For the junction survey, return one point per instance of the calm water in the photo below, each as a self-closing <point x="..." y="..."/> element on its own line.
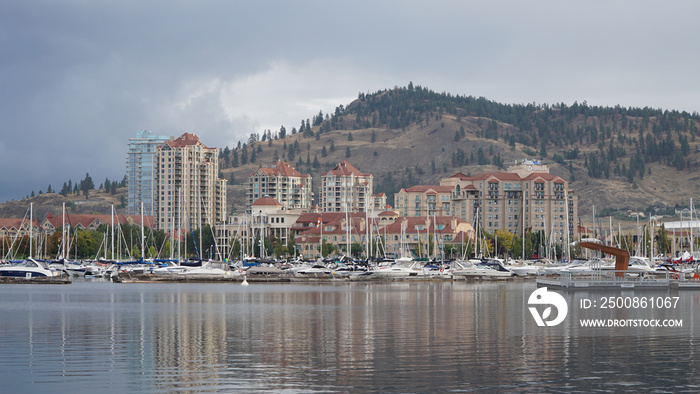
<point x="357" y="337"/>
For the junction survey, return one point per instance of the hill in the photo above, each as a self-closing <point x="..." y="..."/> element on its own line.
<point x="616" y="157"/>
<point x="99" y="202"/>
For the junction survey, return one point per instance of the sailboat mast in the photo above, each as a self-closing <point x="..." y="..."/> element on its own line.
<point x="522" y="213"/>
<point x="63" y="233"/>
<point x="143" y="251"/>
<point x="691" y="228"/>
<point x="347" y="228"/>
<point x="112" y="232"/>
<point x="568" y="239"/>
<point x="31" y="219"/>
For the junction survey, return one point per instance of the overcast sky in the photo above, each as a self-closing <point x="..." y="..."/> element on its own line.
<point x="79" y="77"/>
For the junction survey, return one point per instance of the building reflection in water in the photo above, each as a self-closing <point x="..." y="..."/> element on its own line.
<point x="393" y="336"/>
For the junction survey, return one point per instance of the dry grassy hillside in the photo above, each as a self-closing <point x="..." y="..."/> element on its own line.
<point x="99" y="202"/>
<point x="417" y="147"/>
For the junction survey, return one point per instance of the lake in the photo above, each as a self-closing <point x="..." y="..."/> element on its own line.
<point x="395" y="336"/>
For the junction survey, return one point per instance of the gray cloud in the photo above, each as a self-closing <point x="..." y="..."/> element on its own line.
<point x="79" y="78"/>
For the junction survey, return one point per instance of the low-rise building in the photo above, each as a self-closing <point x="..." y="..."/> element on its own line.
<point x="408" y="236"/>
<point x="338" y="229"/>
<point x="11" y="228"/>
<point x="82" y="221"/>
<point x="268" y="219"/>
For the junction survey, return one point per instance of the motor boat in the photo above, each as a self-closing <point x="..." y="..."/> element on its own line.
<point x="487" y="268"/>
<point x="28" y="268"/>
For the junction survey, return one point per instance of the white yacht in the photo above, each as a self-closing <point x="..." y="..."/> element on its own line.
<point x="400" y="268"/>
<point x="27" y="269"/>
<point x="487" y="268"/>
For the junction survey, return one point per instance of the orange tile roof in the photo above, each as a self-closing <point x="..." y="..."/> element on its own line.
<point x="148" y="220"/>
<point x="499" y="176"/>
<point x="508" y="176"/>
<point x="74" y="219"/>
<point x="543" y="175"/>
<point x="427" y="188"/>
<point x="186" y="139"/>
<point x="412" y="222"/>
<point x="12" y="222"/>
<point x="282" y="168"/>
<point x="266" y="201"/>
<point x="345" y="169"/>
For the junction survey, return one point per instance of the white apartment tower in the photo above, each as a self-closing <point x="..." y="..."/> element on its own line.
<point x="140" y="162"/>
<point x="345" y="188"/>
<point x="189" y="192"/>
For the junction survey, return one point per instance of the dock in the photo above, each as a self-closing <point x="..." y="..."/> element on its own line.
<point x="599" y="279"/>
<point x="45" y="280"/>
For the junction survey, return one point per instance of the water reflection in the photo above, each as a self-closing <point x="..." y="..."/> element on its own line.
<point x="390" y="337"/>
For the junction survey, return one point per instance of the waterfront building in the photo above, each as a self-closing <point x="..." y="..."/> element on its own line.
<point x="77" y="221"/>
<point x="189" y="192"/>
<point x="140" y="162"/>
<point x="424" y="200"/>
<point x="338" y="229"/>
<point x="525" y="197"/>
<point x="283" y="183"/>
<point x="267" y="218"/>
<point x="426" y="236"/>
<point x="345" y="188"/>
<point x="13" y="228"/>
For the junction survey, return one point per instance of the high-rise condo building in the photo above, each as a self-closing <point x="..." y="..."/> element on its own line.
<point x="140" y="162"/>
<point x="189" y="192"/>
<point x="345" y="188"/>
<point x="283" y="183"/>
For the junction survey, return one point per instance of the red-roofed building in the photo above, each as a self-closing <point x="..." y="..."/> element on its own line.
<point x="345" y="188"/>
<point x="423" y="200"/>
<point x="268" y="217"/>
<point x="333" y="228"/>
<point x="135" y="220"/>
<point x="501" y="199"/>
<point x="187" y="184"/>
<point x="282" y="182"/>
<point x="379" y="202"/>
<point x="416" y="233"/>
<point x="81" y="221"/>
<point x="10" y="228"/>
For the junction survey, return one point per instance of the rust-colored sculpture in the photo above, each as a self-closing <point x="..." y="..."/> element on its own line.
<point x="622" y="257"/>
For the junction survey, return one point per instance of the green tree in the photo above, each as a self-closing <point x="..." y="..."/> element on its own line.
<point x="328" y="249"/>
<point x="663" y="244"/>
<point x="356" y="250"/>
<point x="86" y="185"/>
